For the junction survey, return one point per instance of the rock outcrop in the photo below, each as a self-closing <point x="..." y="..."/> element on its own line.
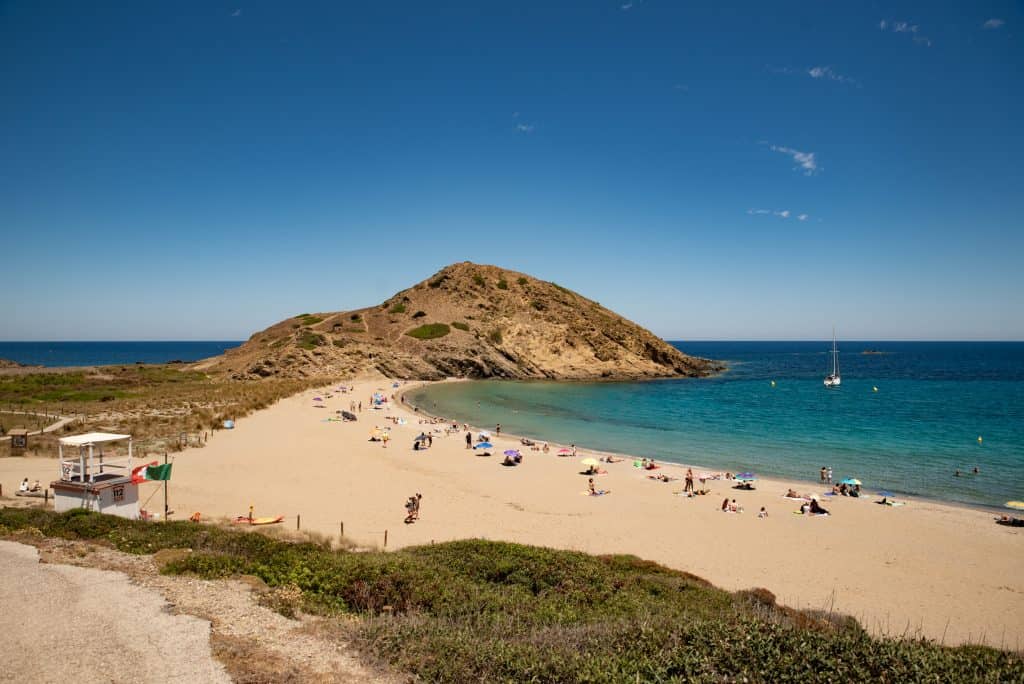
<point x="470" y="321"/>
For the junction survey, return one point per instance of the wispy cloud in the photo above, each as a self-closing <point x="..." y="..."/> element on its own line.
<point x="778" y="213"/>
<point x="625" y="7"/>
<point x="525" y="128"/>
<point x="237" y="13"/>
<point x="905" y="27"/>
<point x="993" y="24"/>
<point x="804" y="160"/>
<point x="680" y="87"/>
<point x="829" y="74"/>
<point x="819" y="73"/>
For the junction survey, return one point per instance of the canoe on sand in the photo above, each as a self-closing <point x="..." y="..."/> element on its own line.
<point x="246" y="520"/>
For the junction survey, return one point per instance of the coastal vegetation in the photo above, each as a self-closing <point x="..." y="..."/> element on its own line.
<point x="430" y="331"/>
<point x="154" y="403"/>
<point x="461" y="326"/>
<point x="491" y="611"/>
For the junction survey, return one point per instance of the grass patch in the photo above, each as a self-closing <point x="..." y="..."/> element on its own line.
<point x="397" y="309"/>
<point x="490" y="611"/>
<point x="309" y="319"/>
<point x="309" y="340"/>
<point x="461" y="326"/>
<point x="521" y="280"/>
<point x="478" y="279"/>
<point x="502" y="284"/>
<point x="495" y="336"/>
<point x="430" y="331"/>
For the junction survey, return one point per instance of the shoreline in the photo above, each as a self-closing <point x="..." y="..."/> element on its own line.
<point x="783" y="479"/>
<point x="930" y="569"/>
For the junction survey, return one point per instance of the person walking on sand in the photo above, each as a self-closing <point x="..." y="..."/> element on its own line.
<point x="385" y="437"/>
<point x="689" y="481"/>
<point x="823" y="474"/>
<point x="360" y="407"/>
<point x="469" y="440"/>
<point x="497" y="430"/>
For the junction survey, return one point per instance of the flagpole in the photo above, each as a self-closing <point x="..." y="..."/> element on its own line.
<point x="165" y="490"/>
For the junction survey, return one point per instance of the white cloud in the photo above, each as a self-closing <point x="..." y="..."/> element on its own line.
<point x="778" y="213"/>
<point x="681" y="88"/>
<point x="525" y="128"/>
<point x="627" y="6"/>
<point x="804" y="160"/>
<point x="993" y="24"/>
<point x="237" y="13"/>
<point x="826" y="72"/>
<point x="905" y="27"/>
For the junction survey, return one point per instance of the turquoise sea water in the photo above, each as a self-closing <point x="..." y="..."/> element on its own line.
<point x="934" y="400"/>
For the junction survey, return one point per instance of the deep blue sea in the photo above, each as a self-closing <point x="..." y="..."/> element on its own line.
<point x="933" y="401"/>
<point x="108" y="353"/>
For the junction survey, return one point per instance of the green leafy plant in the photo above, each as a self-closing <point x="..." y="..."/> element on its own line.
<point x="397" y="309"/>
<point x="502" y="284"/>
<point x="460" y="325"/>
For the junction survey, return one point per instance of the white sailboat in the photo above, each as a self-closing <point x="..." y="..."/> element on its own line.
<point x="833" y="379"/>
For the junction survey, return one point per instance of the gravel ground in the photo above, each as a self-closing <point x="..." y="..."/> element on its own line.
<point x="65" y="623"/>
<point x="150" y="627"/>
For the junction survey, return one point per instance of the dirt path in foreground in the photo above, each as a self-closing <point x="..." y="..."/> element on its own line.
<point x="71" y="610"/>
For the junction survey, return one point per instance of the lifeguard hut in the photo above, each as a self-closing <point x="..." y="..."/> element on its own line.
<point x="95" y="480"/>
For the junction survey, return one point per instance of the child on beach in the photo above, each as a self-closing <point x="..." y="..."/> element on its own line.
<point x="763" y="513"/>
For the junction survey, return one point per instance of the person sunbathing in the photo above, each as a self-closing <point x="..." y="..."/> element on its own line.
<point x="725" y="505"/>
<point x="36" y="487"/>
<point x="612" y="459"/>
<point x="816" y="509"/>
<point x="792" y="495"/>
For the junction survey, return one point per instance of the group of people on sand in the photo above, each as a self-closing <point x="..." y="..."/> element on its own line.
<point x="34" y="487"/>
<point x="844" y="489"/>
<point x="812" y="507"/>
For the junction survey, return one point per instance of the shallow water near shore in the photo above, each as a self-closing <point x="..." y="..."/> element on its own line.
<point x="933" y="401"/>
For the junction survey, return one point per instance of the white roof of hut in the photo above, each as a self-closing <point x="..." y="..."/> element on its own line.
<point x="92" y="438"/>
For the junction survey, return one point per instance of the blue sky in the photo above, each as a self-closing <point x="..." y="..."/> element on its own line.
<point x="201" y="170"/>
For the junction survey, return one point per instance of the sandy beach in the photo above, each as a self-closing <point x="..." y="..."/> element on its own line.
<point x="946" y="572"/>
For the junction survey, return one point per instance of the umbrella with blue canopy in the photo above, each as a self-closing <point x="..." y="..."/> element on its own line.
<point x="484" y="445"/>
<point x="746" y="477"/>
<point x="511" y="452"/>
<point x="850" y="481"/>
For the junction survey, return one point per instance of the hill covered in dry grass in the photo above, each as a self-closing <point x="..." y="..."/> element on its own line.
<point x="467" y="320"/>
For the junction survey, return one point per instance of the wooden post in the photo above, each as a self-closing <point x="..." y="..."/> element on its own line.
<point x="165" y="490"/>
<point x="46" y="497"/>
<point x="341" y="530"/>
<point x="385" y="539"/>
<point x="298" y="521"/>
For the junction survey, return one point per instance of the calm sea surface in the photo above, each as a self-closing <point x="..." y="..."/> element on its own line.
<point x="108" y="353"/>
<point x="934" y="400"/>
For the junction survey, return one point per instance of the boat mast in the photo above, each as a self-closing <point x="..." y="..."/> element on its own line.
<point x="835" y="355"/>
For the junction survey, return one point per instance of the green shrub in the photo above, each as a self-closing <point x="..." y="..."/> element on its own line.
<point x="502" y="284"/>
<point x="355" y="318"/>
<point x="309" y="319"/>
<point x="495" y="336"/>
<point x="309" y="340"/>
<point x="460" y="325"/>
<point x="538" y="305"/>
<point x="478" y="279"/>
<point x="338" y="343"/>
<point x="438" y="282"/>
<point x="521" y="280"/>
<point x="397" y="309"/>
<point x="492" y="611"/>
<point x="419" y="314"/>
<point x="430" y="331"/>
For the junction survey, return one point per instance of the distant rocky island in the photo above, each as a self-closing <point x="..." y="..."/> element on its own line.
<point x="468" y="321"/>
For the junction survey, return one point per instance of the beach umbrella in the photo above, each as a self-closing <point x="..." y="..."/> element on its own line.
<point x="317" y="399"/>
<point x="850" y="481"/>
<point x="589" y="461"/>
<point x="565" y="451"/>
<point x="1019" y="505"/>
<point x="704" y="476"/>
<point x="511" y="452"/>
<point x="484" y="445"/>
<point x="746" y="477"/>
<point x="885" y="493"/>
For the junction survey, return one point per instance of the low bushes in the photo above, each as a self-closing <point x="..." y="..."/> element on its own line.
<point x="430" y="331"/>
